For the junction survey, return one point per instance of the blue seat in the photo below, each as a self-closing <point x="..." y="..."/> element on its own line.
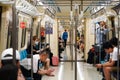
<point x="23" y="54"/>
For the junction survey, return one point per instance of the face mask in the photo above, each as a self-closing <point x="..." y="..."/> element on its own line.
<point x="36" y="42"/>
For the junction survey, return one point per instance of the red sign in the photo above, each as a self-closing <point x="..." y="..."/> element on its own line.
<point x="22" y="25"/>
<point x="42" y="33"/>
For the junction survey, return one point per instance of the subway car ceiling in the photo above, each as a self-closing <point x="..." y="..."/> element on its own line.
<point x="62" y="9"/>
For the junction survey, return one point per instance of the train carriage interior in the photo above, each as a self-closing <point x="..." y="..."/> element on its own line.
<point x="60" y="39"/>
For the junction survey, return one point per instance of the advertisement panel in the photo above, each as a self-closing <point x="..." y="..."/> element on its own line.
<point x="48" y="28"/>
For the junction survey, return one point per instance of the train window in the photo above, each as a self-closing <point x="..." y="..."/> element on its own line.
<point x="9" y="36"/>
<point x="113" y="26"/>
<point x="37" y="30"/>
<point x="9" y="39"/>
<point x="23" y="37"/>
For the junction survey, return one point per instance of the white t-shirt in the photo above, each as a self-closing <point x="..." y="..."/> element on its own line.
<point x="26" y="63"/>
<point x="114" y="54"/>
<point x="35" y="62"/>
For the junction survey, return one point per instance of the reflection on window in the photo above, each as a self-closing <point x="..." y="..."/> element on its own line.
<point x="23" y="37"/>
<point x="37" y="30"/>
<point x="9" y="36"/>
<point x="9" y="39"/>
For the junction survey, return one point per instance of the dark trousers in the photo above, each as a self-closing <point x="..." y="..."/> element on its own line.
<point x="37" y="76"/>
<point x="65" y="41"/>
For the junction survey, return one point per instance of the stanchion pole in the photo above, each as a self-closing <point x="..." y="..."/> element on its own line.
<point x="76" y="24"/>
<point x="31" y="41"/>
<point x="14" y="31"/>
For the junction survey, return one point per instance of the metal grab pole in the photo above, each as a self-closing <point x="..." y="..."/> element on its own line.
<point x="71" y="32"/>
<point x="40" y="33"/>
<point x="71" y="49"/>
<point x="46" y="24"/>
<point x="14" y="32"/>
<point x="31" y="41"/>
<point x="118" y="50"/>
<point x="50" y="25"/>
<point x="76" y="24"/>
<point x="117" y="10"/>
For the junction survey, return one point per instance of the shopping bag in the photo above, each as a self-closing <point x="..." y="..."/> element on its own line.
<point x="55" y="61"/>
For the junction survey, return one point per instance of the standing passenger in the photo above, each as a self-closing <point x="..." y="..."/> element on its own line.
<point x="101" y="33"/>
<point x="64" y="37"/>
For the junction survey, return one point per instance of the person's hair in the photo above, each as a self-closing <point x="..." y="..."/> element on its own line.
<point x="47" y="44"/>
<point x="34" y="38"/>
<point x="81" y="42"/>
<point x="65" y="30"/>
<point x="44" y="52"/>
<point x="82" y="35"/>
<point x="93" y="45"/>
<point x="114" y="41"/>
<point x="42" y="39"/>
<point x="9" y="61"/>
<point x="59" y="38"/>
<point x="8" y="72"/>
<point x="98" y="23"/>
<point x="107" y="45"/>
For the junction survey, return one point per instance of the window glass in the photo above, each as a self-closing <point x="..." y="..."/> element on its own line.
<point x="23" y="37"/>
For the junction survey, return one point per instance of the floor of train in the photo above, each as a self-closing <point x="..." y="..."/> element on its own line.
<point x="65" y="70"/>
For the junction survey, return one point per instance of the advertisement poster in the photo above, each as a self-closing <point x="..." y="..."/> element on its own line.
<point x="48" y="28"/>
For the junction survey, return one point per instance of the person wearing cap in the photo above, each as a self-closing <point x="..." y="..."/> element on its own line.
<point x="8" y="70"/>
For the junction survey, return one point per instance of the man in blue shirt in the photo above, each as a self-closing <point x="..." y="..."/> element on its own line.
<point x="64" y="37"/>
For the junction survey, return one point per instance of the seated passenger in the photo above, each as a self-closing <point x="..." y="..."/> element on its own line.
<point x="107" y="67"/>
<point x="82" y="46"/>
<point x="49" y="60"/>
<point x="35" y="44"/>
<point x="60" y="47"/>
<point x="38" y="65"/>
<point x="8" y="70"/>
